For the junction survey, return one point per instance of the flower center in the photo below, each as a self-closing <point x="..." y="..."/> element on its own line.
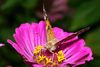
<point x="37" y="50"/>
<point x="60" y="56"/>
<point x="46" y="60"/>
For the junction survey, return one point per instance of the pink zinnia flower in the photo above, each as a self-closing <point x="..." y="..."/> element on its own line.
<point x="43" y="46"/>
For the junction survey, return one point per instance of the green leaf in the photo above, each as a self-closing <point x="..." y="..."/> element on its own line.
<point x="9" y="4"/>
<point x="86" y="14"/>
<point x="93" y="40"/>
<point x="2" y="20"/>
<point x="94" y="63"/>
<point x="29" y="4"/>
<point x="6" y="33"/>
<point x="25" y="18"/>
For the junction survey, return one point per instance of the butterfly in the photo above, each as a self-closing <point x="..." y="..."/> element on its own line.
<point x="52" y="43"/>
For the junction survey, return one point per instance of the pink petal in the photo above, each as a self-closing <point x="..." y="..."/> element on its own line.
<point x="21" y="51"/>
<point x="37" y="65"/>
<point x="39" y="32"/>
<point x="42" y="33"/>
<point x="22" y="38"/>
<point x="80" y="57"/>
<point x="35" y="33"/>
<point x="59" y="33"/>
<point x="1" y="44"/>
<point x="63" y="65"/>
<point x="74" y="48"/>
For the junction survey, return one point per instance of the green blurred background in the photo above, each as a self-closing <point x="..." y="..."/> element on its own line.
<point x="78" y="14"/>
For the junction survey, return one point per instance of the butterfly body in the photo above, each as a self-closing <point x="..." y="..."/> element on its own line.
<point x="51" y="45"/>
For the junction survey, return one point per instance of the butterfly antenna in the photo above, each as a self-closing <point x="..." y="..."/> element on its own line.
<point x="44" y="12"/>
<point x="46" y="18"/>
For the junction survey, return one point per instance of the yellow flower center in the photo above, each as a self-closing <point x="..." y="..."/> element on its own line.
<point x="41" y="58"/>
<point x="45" y="60"/>
<point x="48" y="61"/>
<point x="37" y="50"/>
<point x="60" y="56"/>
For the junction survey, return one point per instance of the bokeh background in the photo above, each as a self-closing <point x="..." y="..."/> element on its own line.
<point x="71" y="15"/>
